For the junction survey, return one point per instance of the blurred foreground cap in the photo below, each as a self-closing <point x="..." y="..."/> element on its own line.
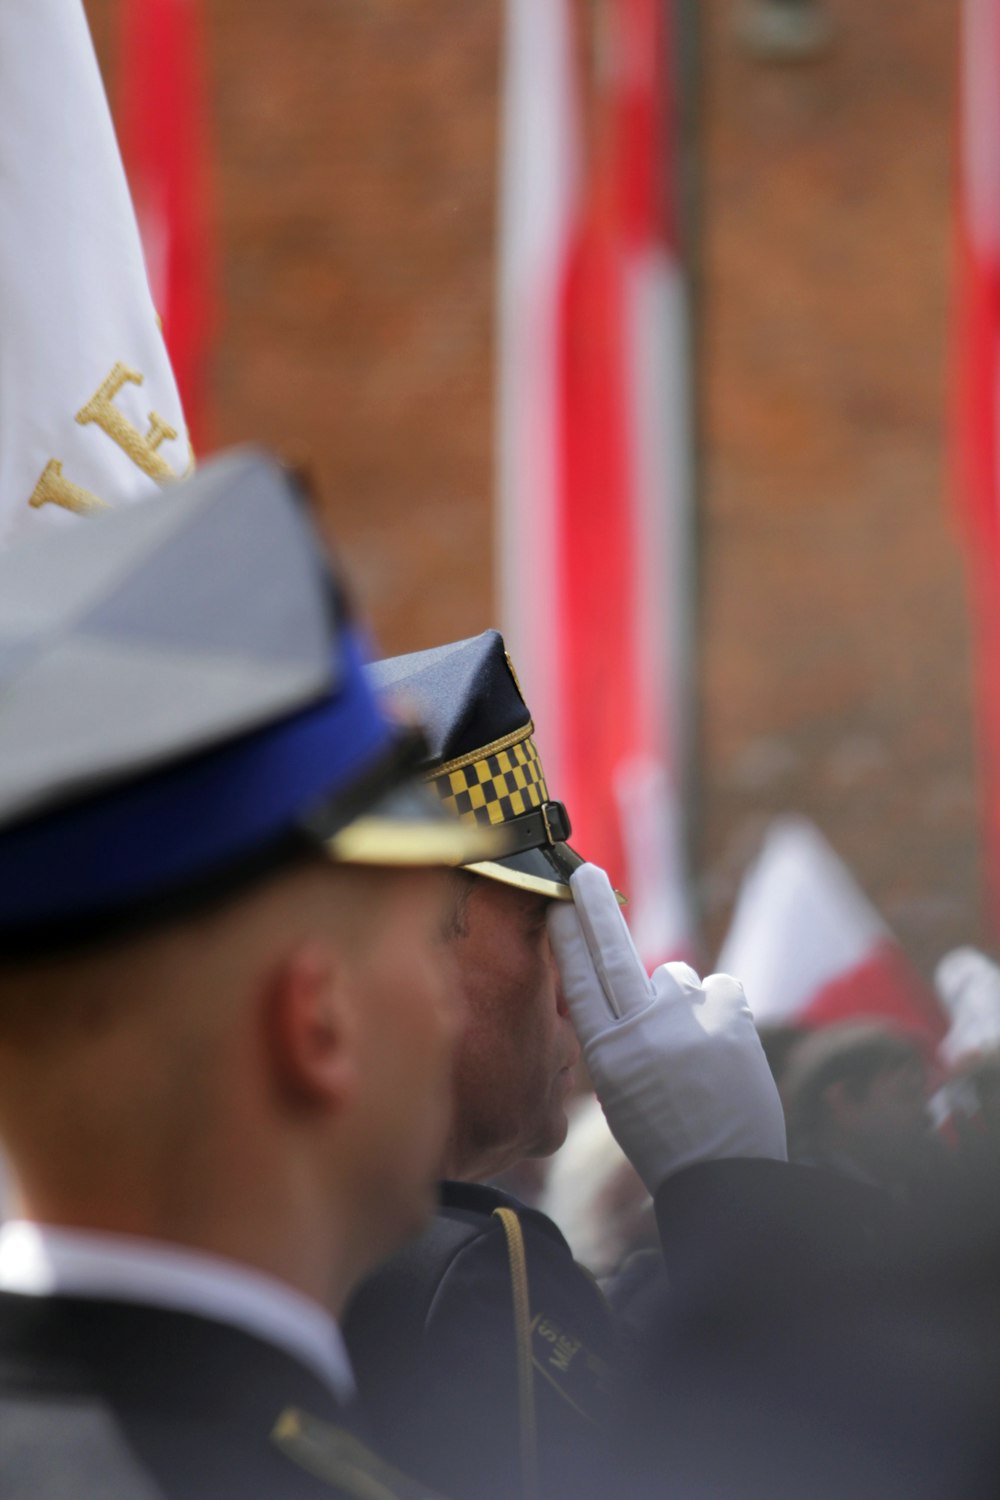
<point x="181" y="686"/>
<point x="482" y="759"/>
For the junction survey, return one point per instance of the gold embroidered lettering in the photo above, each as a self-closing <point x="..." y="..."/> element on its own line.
<point x="564" y="1352"/>
<point x="142" y="448"/>
<point x="159" y="431"/>
<point x="53" y="488"/>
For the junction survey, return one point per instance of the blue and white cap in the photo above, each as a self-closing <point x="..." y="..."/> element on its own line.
<point x="181" y="689"/>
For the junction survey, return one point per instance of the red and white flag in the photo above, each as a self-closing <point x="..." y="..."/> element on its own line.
<point x="89" y="409"/>
<point x="164" y="135"/>
<point x="595" y="443"/>
<point x="809" y="947"/>
<point x="976" y="380"/>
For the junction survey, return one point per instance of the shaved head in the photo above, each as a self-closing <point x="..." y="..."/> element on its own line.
<point x="298" y="1036"/>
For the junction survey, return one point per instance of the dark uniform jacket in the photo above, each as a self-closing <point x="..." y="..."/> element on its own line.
<point x="433" y="1334"/>
<point x="803" y="1338"/>
<point x="433" y="1338"/>
<point x="103" y="1400"/>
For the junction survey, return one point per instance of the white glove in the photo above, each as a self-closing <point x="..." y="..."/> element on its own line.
<point x="969" y="984"/>
<point x="676" y="1063"/>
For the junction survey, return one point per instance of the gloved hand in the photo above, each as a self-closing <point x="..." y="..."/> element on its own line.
<point x="969" y="984"/>
<point x="676" y="1062"/>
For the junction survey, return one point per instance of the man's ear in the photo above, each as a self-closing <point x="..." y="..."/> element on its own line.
<point x="311" y="1029"/>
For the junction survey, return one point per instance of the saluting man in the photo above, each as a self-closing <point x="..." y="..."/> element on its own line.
<point x="226" y="1012"/>
<point x="486" y="1354"/>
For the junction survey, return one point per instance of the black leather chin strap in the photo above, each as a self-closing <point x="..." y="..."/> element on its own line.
<point x="548" y="824"/>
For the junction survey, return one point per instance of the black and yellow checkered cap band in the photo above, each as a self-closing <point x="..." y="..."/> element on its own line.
<point x="495" y="784"/>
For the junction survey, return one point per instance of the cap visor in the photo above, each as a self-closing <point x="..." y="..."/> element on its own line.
<point x="409" y="826"/>
<point x="544" y="871"/>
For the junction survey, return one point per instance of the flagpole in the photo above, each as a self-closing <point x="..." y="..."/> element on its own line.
<point x="683" y="25"/>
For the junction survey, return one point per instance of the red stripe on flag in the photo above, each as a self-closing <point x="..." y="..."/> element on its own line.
<point x="645" y="111"/>
<point x="164" y="137"/>
<point x="975" y="402"/>
<point x="595" y="526"/>
<point x="884" y="988"/>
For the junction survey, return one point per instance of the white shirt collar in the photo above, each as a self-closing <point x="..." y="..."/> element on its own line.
<point x="38" y="1260"/>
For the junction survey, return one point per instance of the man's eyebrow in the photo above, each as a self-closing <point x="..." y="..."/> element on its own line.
<point x="454" y="920"/>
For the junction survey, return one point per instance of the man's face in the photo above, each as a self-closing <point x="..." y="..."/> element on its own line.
<point x="516" y="1053"/>
<point x="410" y="1015"/>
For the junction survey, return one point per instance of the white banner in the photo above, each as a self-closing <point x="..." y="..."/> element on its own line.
<point x="540" y="180"/>
<point x="89" y="410"/>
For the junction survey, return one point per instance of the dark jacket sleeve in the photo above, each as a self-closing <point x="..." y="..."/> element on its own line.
<point x="816" y="1339"/>
<point x="738" y="1235"/>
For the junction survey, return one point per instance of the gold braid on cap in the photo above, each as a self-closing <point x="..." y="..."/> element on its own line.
<point x="496" y="783"/>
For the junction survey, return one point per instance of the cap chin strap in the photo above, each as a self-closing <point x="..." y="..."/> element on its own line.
<point x="544" y="825"/>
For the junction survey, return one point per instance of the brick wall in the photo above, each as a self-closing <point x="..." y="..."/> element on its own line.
<point x="835" y="666"/>
<point x="355" y="144"/>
